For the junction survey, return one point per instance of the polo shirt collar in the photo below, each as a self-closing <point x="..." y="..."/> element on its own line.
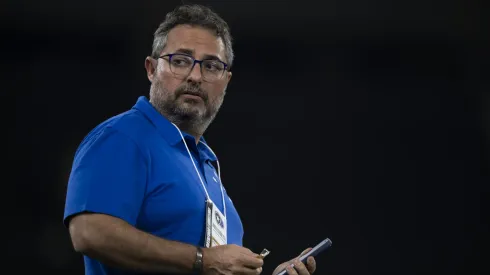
<point x="166" y="128"/>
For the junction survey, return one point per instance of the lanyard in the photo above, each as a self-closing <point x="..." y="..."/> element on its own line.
<point x="199" y="174"/>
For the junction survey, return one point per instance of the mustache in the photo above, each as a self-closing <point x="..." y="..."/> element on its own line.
<point x="192" y="90"/>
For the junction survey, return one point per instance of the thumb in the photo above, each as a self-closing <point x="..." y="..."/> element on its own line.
<point x="305" y="251"/>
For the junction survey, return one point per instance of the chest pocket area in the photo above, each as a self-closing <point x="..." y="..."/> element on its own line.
<point x="174" y="199"/>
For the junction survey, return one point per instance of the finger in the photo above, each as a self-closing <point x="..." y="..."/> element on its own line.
<point x="254" y="255"/>
<point x="290" y="270"/>
<point x="248" y="271"/>
<point x="311" y="264"/>
<point x="252" y="262"/>
<point x="249" y="252"/>
<point x="305" y="251"/>
<point x="300" y="268"/>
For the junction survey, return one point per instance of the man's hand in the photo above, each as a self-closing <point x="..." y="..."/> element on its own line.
<point x="230" y="259"/>
<point x="298" y="267"/>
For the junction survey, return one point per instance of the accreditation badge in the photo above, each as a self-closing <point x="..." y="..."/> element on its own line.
<point x="215" y="226"/>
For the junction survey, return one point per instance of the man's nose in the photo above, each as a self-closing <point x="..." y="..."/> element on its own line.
<point x="195" y="73"/>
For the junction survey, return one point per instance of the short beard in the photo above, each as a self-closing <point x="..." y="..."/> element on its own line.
<point x="192" y="121"/>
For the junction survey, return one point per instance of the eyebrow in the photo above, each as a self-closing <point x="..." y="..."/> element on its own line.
<point x="191" y="52"/>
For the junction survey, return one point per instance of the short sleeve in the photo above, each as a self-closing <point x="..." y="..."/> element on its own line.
<point x="108" y="176"/>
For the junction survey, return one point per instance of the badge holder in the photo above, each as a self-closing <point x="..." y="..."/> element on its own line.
<point x="216" y="226"/>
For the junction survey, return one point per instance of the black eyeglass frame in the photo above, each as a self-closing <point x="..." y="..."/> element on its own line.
<point x="195" y="61"/>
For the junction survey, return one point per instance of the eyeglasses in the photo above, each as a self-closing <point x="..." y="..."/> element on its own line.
<point x="181" y="65"/>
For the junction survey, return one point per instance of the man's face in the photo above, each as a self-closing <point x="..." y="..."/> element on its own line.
<point x="188" y="100"/>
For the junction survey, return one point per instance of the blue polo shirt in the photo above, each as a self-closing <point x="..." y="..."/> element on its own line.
<point x="135" y="167"/>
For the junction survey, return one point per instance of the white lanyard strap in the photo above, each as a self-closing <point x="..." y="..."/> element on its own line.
<point x="199" y="174"/>
<point x="219" y="178"/>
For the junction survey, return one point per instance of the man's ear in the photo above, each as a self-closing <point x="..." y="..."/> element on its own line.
<point x="151" y="67"/>
<point x="228" y="76"/>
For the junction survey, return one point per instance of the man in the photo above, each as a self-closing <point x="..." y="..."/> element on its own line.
<point x="144" y="195"/>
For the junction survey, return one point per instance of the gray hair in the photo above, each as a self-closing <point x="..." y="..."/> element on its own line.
<point x="194" y="15"/>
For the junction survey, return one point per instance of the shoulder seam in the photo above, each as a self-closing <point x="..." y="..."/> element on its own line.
<point x="130" y="138"/>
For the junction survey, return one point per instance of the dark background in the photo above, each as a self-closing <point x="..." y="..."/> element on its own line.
<point x="363" y="121"/>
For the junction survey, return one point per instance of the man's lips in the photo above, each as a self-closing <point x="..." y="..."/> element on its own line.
<point x="192" y="95"/>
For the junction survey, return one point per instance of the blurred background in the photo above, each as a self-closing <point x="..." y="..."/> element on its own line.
<point x="367" y="122"/>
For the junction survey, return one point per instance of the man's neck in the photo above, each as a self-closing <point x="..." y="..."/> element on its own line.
<point x="197" y="137"/>
<point x="189" y="130"/>
<point x="184" y="125"/>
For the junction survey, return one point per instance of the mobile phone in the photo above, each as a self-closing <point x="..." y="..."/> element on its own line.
<point x="323" y="245"/>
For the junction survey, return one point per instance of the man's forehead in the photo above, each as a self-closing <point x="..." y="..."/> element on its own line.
<point x="195" y="40"/>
